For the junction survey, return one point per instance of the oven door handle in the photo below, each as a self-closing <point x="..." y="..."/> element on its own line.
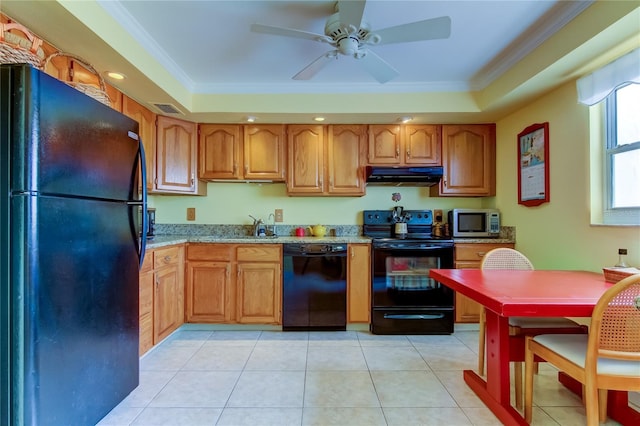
<point x="411" y="247"/>
<point x="413" y="316"/>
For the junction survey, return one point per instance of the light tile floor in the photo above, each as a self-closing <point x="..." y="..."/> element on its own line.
<point x="321" y="378"/>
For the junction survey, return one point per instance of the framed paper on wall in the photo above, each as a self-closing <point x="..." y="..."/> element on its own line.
<point x="533" y="165"/>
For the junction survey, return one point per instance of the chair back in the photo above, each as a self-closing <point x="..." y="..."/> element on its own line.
<point x="505" y="258"/>
<point x="615" y="323"/>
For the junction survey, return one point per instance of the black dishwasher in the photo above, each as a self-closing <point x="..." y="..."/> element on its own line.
<point x="314" y="295"/>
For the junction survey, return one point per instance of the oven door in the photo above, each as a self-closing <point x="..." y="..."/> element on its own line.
<point x="400" y="276"/>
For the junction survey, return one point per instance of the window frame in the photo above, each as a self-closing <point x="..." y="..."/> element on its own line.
<point x="615" y="215"/>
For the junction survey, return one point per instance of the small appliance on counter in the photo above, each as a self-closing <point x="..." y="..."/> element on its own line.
<point x="151" y="221"/>
<point x="474" y="223"/>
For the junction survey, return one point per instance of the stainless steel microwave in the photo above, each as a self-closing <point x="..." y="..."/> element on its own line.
<point x="474" y="223"/>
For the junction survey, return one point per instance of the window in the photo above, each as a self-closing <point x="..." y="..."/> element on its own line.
<point x="622" y="156"/>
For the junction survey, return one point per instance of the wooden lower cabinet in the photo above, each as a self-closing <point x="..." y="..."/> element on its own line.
<point x="168" y="295"/>
<point x="469" y="255"/>
<point x="359" y="283"/>
<point x="234" y="283"/>
<point x="145" y="311"/>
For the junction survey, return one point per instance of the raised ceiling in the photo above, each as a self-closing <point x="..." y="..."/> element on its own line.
<point x="202" y="57"/>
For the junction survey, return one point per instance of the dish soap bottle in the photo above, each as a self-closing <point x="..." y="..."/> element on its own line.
<point x="621" y="256"/>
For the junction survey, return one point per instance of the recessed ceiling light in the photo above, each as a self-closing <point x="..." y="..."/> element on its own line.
<point x="116" y="75"/>
<point x="318" y="118"/>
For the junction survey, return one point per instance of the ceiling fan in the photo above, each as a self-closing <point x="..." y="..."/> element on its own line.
<point x="350" y="34"/>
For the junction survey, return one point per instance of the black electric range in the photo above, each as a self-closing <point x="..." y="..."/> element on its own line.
<point x="405" y="300"/>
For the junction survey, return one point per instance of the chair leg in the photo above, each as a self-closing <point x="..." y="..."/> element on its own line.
<point x="591" y="402"/>
<point x="602" y="404"/>
<point x="481" y="342"/>
<point x="517" y="379"/>
<point x="528" y="381"/>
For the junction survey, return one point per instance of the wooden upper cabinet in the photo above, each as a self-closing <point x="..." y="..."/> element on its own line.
<point x="220" y="151"/>
<point x="147" y="130"/>
<point x="326" y="160"/>
<point x="238" y="152"/>
<point x="468" y="161"/>
<point x="397" y="145"/>
<point x="263" y="151"/>
<point x="346" y="145"/>
<point x="115" y="97"/>
<point x="305" y="160"/>
<point x="385" y="144"/>
<point x="422" y="145"/>
<point x="176" y="157"/>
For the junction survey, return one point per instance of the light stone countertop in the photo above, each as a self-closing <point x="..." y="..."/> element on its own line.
<point x="167" y="240"/>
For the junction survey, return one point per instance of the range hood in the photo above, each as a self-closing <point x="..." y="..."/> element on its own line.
<point x="407" y="176"/>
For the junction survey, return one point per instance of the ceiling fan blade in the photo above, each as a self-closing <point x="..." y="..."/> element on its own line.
<point x="289" y="32"/>
<point x="351" y="12"/>
<point x="377" y="67"/>
<point x="314" y="67"/>
<point x="429" y="29"/>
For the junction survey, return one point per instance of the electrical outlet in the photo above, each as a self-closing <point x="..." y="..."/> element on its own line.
<point x="191" y="213"/>
<point x="279" y="215"/>
<point x="437" y="216"/>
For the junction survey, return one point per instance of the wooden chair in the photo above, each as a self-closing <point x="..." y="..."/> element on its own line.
<point x="507" y="258"/>
<point x="607" y="358"/>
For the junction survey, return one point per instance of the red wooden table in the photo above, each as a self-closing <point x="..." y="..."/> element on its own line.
<point x="525" y="293"/>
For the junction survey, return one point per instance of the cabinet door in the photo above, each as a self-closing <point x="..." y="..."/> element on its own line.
<point x="147" y="122"/>
<point x="263" y="151"/>
<point x="258" y="296"/>
<point x="115" y="96"/>
<point x="220" y="151"/>
<point x="209" y="294"/>
<point x="146" y="304"/>
<point x="165" y="302"/>
<point x="305" y="163"/>
<point x="176" y="142"/>
<point x="345" y="160"/>
<point x="359" y="284"/>
<point x="468" y="160"/>
<point x="422" y="145"/>
<point x="470" y="256"/>
<point x="385" y="142"/>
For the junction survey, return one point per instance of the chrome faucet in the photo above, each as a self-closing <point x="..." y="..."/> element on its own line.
<point x="272" y="219"/>
<point x="258" y="227"/>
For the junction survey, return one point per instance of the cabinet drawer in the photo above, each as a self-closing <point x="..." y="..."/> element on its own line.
<point x="166" y="256"/>
<point x="475" y="252"/>
<point x="220" y="252"/>
<point x="259" y="253"/>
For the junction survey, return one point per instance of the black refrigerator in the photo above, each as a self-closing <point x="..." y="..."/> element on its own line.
<point x="71" y="246"/>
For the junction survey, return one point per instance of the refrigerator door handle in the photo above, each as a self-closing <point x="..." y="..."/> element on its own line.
<point x="145" y="218"/>
<point x="142" y="242"/>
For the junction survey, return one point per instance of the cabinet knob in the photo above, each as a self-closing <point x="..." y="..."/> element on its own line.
<point x="397" y="152"/>
<point x="444" y="180"/>
<point x="408" y="153"/>
<point x="246" y="169"/>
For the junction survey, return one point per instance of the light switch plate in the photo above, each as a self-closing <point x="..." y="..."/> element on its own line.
<point x="191" y="213"/>
<point x="279" y="215"/>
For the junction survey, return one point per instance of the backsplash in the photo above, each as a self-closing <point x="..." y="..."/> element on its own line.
<point x="232" y="231"/>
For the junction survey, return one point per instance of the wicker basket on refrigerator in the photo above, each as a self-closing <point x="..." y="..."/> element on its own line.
<point x="20" y="49"/>
<point x="98" y="93"/>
